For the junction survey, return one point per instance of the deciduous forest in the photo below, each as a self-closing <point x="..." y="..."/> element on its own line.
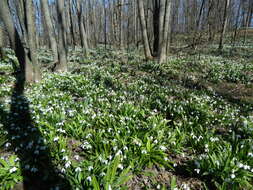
<point x="126" y="94"/>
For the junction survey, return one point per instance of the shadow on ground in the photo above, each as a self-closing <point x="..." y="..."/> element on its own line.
<point x="37" y="168"/>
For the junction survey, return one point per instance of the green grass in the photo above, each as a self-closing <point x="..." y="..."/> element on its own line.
<point x="107" y="122"/>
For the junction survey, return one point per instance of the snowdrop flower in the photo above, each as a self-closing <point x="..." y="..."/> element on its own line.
<point x="240" y="165"/>
<point x="118" y="153"/>
<point x="63" y="150"/>
<point x="78" y="169"/>
<point x="120" y="166"/>
<point x="14" y="169"/>
<point x="125" y="148"/>
<point x="65" y="158"/>
<point x="77" y="157"/>
<point x="90" y="168"/>
<point x="246" y="167"/>
<point x="144" y="152"/>
<point x="102" y="174"/>
<point x="185" y="186"/>
<point x="175" y="164"/>
<point x="197" y="171"/>
<point x="63" y="170"/>
<point x="56" y="139"/>
<point x="17" y="159"/>
<point x="163" y="148"/>
<point x="232" y="176"/>
<point x="67" y="164"/>
<point x="89" y="178"/>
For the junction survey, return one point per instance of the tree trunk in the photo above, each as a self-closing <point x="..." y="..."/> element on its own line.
<point x="165" y="30"/>
<point x="31" y="36"/>
<point x="121" y="24"/>
<point x="144" y="30"/>
<point x="61" y="65"/>
<point x="28" y="69"/>
<point x="156" y="12"/>
<point x="1" y="43"/>
<point x="50" y="29"/>
<point x="224" y="24"/>
<point x="82" y="31"/>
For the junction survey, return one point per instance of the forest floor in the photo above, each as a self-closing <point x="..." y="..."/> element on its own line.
<point x="115" y="121"/>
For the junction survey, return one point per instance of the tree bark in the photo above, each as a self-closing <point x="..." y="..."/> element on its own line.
<point x="144" y="30"/>
<point x="50" y="29"/>
<point x="28" y="69"/>
<point x="61" y="65"/>
<point x="224" y="24"/>
<point x="164" y="31"/>
<point x="82" y="31"/>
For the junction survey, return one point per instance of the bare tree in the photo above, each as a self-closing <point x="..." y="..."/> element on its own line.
<point x="23" y="51"/>
<point x="49" y="28"/>
<point x="61" y="65"/>
<point x="224" y="24"/>
<point x="164" y="22"/>
<point x="82" y="31"/>
<point x="147" y="50"/>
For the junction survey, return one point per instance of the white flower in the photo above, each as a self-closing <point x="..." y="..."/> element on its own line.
<point x="185" y="186"/>
<point x="56" y="139"/>
<point x="232" y="176"/>
<point x="12" y="170"/>
<point x="63" y="150"/>
<point x="144" y="152"/>
<point x="7" y="145"/>
<point x="163" y="148"/>
<point x="89" y="178"/>
<point x="197" y="171"/>
<point x="63" y="170"/>
<point x="120" y="166"/>
<point x="78" y="169"/>
<point x="90" y="168"/>
<point x="118" y="153"/>
<point x="67" y="164"/>
<point x="240" y="165"/>
<point x="77" y="157"/>
<point x="65" y="158"/>
<point x="102" y="174"/>
<point x="17" y="159"/>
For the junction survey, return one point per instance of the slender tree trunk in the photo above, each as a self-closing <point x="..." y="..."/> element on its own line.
<point x="2" y="36"/>
<point x="156" y="12"/>
<point x="237" y="24"/>
<point x="121" y="24"/>
<point x="50" y="29"/>
<point x="82" y="31"/>
<point x="105" y="25"/>
<point x="61" y="65"/>
<point x="31" y="36"/>
<point x="144" y="30"/>
<point x="164" y="31"/>
<point x="224" y="24"/>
